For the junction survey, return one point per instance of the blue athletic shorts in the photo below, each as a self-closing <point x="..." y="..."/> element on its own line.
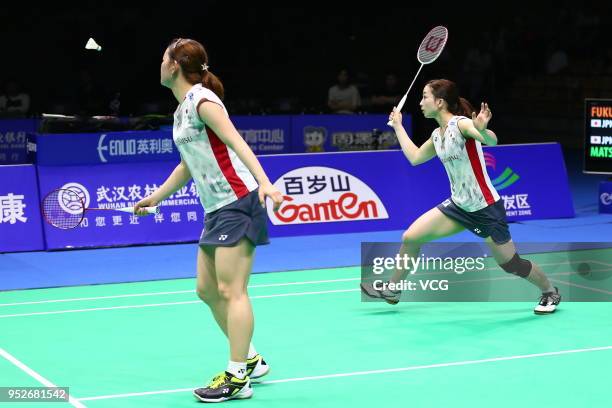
<point x="487" y="222"/>
<point x="244" y="217"/>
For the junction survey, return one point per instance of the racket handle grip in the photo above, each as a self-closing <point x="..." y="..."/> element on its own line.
<point x="399" y="107"/>
<point x="149" y="210"/>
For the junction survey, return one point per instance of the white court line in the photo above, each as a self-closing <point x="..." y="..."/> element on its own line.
<point x="254" y="297"/>
<point x="250" y="286"/>
<point x="370" y="372"/>
<point x="71" y="400"/>
<point x="267" y="285"/>
<point x="511" y="276"/>
<point x="169" y="304"/>
<point x="96" y="298"/>
<point x="138" y="394"/>
<point x="581" y="286"/>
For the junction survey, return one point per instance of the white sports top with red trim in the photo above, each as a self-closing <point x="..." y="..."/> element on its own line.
<point x="463" y="160"/>
<point x="220" y="176"/>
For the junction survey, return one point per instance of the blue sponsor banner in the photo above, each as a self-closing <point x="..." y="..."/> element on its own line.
<point x="605" y="197"/>
<point x="334" y="193"/>
<point x="120" y="185"/>
<point x="13" y="139"/>
<point x="531" y="179"/>
<point x="265" y="134"/>
<point x="373" y="191"/>
<point x="325" y="193"/>
<point x="105" y="148"/>
<point x="20" y="219"/>
<point x="328" y="133"/>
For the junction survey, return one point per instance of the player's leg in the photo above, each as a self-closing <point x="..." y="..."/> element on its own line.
<point x="508" y="259"/>
<point x="207" y="291"/>
<point x="428" y="227"/>
<point x="206" y="287"/>
<point x="432" y="225"/>
<point x="232" y="265"/>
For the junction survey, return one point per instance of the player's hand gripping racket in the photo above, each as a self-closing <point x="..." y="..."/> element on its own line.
<point x="65" y="209"/>
<point x="430" y="49"/>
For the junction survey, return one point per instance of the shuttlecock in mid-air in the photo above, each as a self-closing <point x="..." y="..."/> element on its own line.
<point x="93" y="45"/>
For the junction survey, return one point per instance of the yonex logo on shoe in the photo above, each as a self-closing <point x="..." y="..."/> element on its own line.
<point x="222" y="237"/>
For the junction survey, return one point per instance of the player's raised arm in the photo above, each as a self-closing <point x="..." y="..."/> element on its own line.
<point x="477" y="127"/>
<point x="415" y="155"/>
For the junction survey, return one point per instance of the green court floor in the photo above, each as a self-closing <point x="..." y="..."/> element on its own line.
<point x="147" y="344"/>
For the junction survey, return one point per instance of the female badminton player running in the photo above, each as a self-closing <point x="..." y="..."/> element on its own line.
<point x="233" y="187"/>
<point x="474" y="203"/>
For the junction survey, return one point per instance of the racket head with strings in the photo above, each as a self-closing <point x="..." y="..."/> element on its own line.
<point x="430" y="49"/>
<point x="432" y="45"/>
<point x="63" y="209"/>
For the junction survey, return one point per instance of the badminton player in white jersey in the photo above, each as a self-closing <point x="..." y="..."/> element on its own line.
<point x="233" y="187"/>
<point x="474" y="203"/>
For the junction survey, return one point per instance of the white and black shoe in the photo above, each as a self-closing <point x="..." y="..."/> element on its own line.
<point x="548" y="302"/>
<point x="223" y="387"/>
<point x="389" y="296"/>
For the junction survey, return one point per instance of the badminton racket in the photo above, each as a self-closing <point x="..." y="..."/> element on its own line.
<point x="430" y="49"/>
<point x="65" y="209"/>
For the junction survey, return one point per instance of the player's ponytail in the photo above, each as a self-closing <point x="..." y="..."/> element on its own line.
<point x="212" y="82"/>
<point x="465" y="108"/>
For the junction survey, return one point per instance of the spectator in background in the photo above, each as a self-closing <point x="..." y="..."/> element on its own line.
<point x="385" y="98"/>
<point x="14" y="102"/>
<point x="343" y="97"/>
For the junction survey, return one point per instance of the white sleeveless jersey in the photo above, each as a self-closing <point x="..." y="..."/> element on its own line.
<point x="471" y="188"/>
<point x="220" y="176"/>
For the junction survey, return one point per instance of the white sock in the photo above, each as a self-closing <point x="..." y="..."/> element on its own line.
<point x="237" y="369"/>
<point x="252" y="351"/>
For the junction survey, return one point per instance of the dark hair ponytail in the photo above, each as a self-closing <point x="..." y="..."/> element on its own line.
<point x="212" y="82"/>
<point x="447" y="90"/>
<point x="193" y="59"/>
<point x="465" y="108"/>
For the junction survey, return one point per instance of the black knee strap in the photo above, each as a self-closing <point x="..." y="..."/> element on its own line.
<point x="517" y="266"/>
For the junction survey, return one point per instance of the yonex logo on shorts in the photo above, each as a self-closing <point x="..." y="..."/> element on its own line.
<point x="222" y="237"/>
<point x="476" y="230"/>
<point x="446" y="203"/>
